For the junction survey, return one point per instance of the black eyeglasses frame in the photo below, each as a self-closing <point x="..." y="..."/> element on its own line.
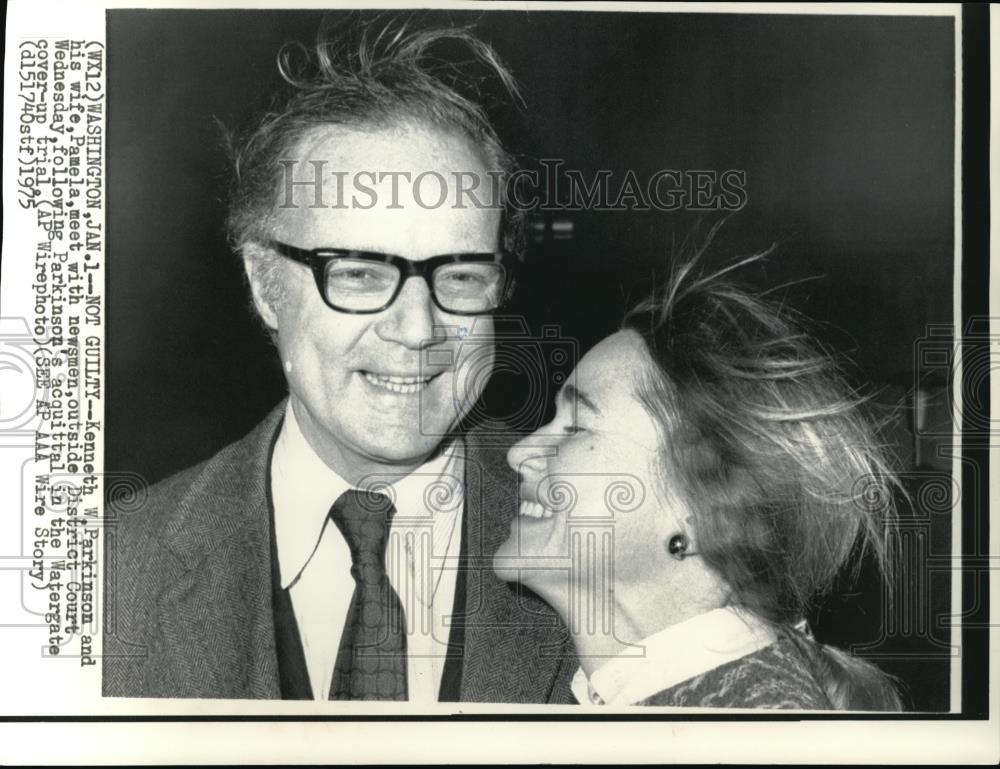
<point x="318" y="259"/>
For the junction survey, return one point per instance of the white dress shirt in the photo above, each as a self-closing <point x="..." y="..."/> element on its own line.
<point x="421" y="557"/>
<point x="674" y="655"/>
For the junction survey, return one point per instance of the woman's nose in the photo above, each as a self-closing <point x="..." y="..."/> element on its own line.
<point x="530" y="454"/>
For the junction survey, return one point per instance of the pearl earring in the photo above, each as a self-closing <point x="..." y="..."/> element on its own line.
<point x="678" y="545"/>
<point x="288" y="367"/>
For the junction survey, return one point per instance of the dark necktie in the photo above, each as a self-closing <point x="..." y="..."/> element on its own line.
<point x="371" y="662"/>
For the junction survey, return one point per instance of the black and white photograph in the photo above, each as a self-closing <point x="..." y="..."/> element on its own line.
<point x="597" y="361"/>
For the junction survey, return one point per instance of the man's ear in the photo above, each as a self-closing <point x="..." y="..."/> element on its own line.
<point x="255" y="263"/>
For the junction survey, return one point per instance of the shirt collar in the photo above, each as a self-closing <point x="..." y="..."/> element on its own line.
<point x="304" y="488"/>
<point x="673" y="655"/>
<point x="431" y="497"/>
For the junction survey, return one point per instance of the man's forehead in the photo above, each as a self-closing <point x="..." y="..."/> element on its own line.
<point x="402" y="146"/>
<point x="393" y="188"/>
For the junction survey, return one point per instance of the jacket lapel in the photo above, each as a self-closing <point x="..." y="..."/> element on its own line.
<point x="216" y="621"/>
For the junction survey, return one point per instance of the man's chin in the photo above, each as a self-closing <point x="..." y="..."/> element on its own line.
<point x="435" y="427"/>
<point x="400" y="447"/>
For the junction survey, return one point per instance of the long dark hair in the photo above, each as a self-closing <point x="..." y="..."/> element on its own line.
<point x="779" y="463"/>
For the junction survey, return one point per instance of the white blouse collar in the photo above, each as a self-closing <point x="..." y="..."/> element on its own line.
<point x="673" y="655"/>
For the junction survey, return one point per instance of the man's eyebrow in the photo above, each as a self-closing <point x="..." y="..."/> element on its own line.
<point x="572" y="393"/>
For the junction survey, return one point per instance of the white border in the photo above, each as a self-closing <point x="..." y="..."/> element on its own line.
<point x="887" y="742"/>
<point x="956" y="385"/>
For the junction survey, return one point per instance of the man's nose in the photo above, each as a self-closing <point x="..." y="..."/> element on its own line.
<point x="409" y="320"/>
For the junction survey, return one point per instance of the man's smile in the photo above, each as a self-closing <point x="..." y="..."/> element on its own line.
<point x="398" y="383"/>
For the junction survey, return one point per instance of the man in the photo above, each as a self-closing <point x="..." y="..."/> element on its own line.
<point x="343" y="548"/>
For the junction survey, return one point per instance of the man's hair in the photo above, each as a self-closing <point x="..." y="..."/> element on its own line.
<point x="779" y="466"/>
<point x="374" y="74"/>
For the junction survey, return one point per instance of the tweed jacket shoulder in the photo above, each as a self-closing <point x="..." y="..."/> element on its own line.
<point x="188" y="609"/>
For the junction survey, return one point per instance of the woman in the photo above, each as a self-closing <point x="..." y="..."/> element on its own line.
<point x="707" y="474"/>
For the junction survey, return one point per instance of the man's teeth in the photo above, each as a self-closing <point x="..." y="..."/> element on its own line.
<point x="534" y="510"/>
<point x="398" y="384"/>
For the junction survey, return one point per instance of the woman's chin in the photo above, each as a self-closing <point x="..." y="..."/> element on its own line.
<point x="517" y="552"/>
<point x="545" y="575"/>
<point x="507" y="561"/>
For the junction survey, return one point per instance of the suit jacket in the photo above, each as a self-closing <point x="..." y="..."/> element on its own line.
<point x="188" y="583"/>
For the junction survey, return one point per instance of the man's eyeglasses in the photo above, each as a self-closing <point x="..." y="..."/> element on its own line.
<point x="362" y="282"/>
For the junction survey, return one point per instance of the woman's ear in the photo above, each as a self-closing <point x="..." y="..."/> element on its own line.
<point x="261" y="277"/>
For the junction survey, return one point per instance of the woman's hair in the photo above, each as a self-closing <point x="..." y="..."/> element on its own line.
<point x="780" y="468"/>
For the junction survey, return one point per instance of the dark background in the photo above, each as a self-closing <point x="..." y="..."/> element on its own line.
<point x="843" y="125"/>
